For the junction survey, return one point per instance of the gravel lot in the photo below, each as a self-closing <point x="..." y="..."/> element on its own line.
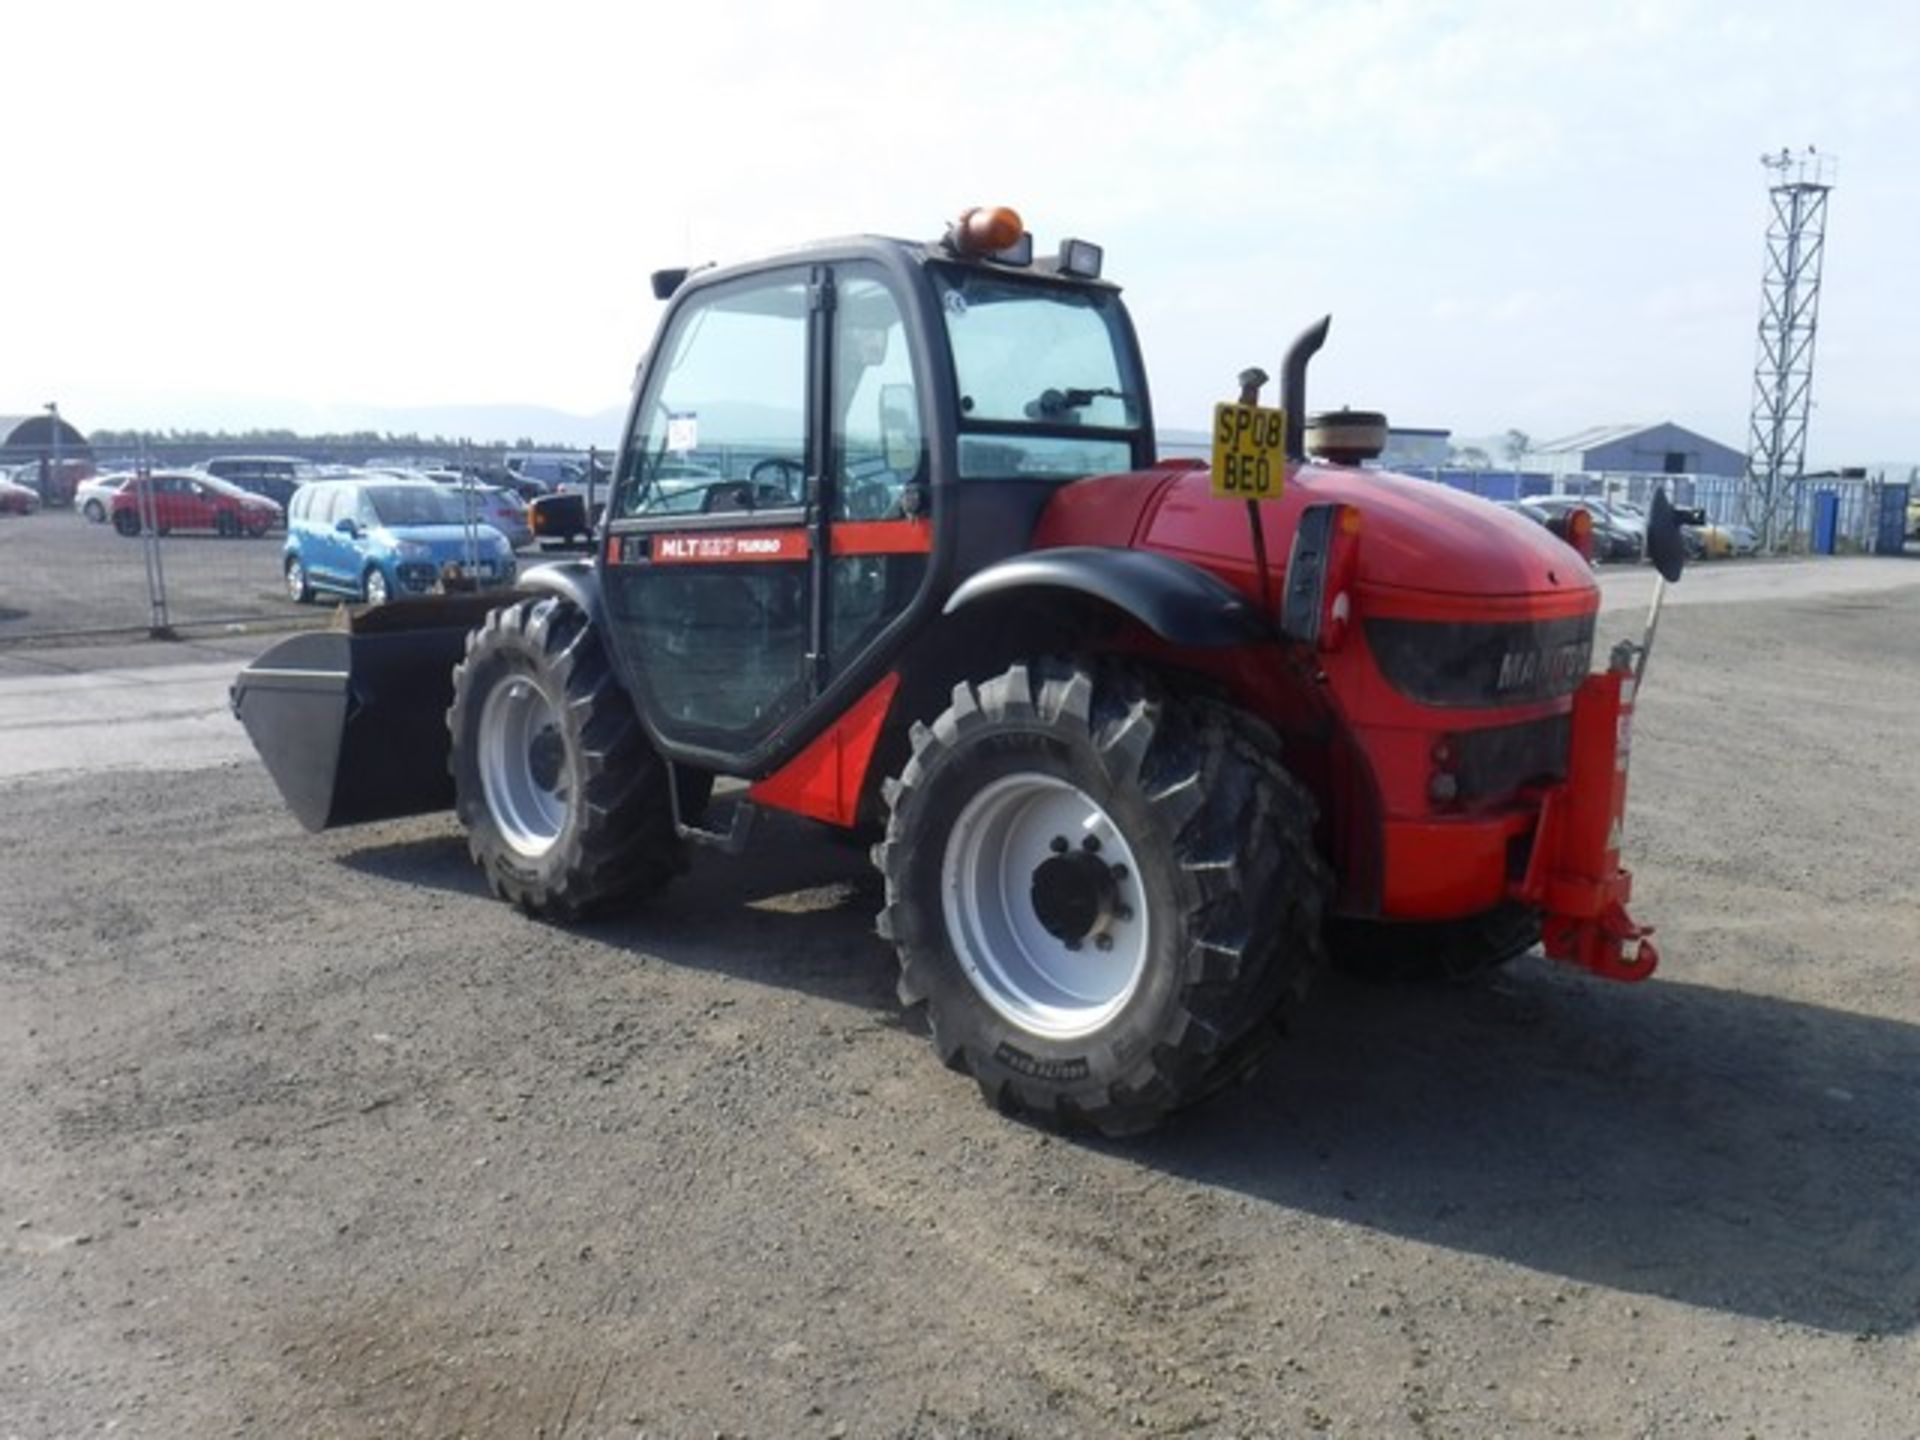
<point x="309" y="1137"/>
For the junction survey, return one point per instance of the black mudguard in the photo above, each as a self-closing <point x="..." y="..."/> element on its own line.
<point x="1180" y="603"/>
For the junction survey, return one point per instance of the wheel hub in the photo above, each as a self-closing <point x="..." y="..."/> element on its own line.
<point x="1074" y="895"/>
<point x="523" y="759"/>
<point x="1042" y="905"/>
<point x="545" y="755"/>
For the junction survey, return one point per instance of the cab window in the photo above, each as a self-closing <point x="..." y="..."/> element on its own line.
<point x="878" y="447"/>
<point x="723" y="425"/>
<point x="1041" y="370"/>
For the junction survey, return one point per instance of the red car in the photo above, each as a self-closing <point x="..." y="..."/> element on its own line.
<point x="17" y="499"/>
<point x="181" y="501"/>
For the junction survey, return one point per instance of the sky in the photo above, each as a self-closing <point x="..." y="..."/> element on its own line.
<point x="1526" y="215"/>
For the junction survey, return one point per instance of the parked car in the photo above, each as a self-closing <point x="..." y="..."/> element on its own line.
<point x="94" y="498"/>
<point x="18" y="499"/>
<point x="1744" y="539"/>
<point x="497" y="506"/>
<point x="375" y="540"/>
<point x="274" y="476"/>
<point x="1612" y="539"/>
<point x="184" y="500"/>
<point x="54" y="484"/>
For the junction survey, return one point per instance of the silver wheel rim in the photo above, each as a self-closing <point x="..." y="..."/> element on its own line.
<point x="523" y="766"/>
<point x="296" y="579"/>
<point x="376" y="588"/>
<point x="1056" y="988"/>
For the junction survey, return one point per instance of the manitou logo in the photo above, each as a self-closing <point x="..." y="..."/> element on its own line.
<point x="1541" y="669"/>
<point x="734" y="548"/>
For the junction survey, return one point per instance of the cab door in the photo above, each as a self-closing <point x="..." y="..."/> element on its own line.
<point x="709" y="551"/>
<point x="762" y="534"/>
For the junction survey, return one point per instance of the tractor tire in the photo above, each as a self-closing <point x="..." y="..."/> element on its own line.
<point x="1105" y="896"/>
<point x="1436" y="952"/>
<point x="564" y="801"/>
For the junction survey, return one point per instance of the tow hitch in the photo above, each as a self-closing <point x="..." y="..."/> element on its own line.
<point x="1573" y="875"/>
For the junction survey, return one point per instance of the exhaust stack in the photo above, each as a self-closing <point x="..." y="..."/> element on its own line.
<point x="1293" y="383"/>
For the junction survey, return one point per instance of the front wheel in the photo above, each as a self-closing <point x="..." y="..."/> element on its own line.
<point x="374" y="586"/>
<point x="564" y="801"/>
<point x="1103" y="894"/>
<point x="299" y="588"/>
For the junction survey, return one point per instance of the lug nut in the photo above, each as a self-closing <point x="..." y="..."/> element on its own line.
<point x="1060" y="846"/>
<point x="1119" y="873"/>
<point x="1123" y="912"/>
<point x="1105" y="942"/>
<point x="1072" y="944"/>
<point x="1091" y="844"/>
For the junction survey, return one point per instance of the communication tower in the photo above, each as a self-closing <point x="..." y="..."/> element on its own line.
<point x="1799" y="182"/>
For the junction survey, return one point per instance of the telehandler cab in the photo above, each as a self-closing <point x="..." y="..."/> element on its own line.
<point x="1140" y="743"/>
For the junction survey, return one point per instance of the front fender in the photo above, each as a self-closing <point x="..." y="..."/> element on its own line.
<point x="575" y="580"/>
<point x="1179" y="602"/>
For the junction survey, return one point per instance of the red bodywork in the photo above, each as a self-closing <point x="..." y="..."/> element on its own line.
<point x="1403" y="848"/>
<point x="193" y="502"/>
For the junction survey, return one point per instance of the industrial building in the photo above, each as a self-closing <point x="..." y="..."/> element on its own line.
<point x="1662" y="449"/>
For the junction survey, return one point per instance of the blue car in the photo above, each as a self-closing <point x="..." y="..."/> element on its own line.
<point x="378" y="540"/>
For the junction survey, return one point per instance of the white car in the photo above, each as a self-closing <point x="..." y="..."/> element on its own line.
<point x="94" y="498"/>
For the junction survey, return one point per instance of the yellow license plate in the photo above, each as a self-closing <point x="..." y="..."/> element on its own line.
<point x="1249" y="452"/>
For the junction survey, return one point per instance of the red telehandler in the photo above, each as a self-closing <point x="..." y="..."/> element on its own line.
<point x="1140" y="744"/>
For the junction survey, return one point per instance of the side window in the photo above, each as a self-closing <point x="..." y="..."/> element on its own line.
<point x="722" y="427"/>
<point x="877" y="445"/>
<point x="878" y="450"/>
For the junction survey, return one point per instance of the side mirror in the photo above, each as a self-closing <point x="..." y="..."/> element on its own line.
<point x="900" y="429"/>
<point x="346" y="526"/>
<point x="1665" y="545"/>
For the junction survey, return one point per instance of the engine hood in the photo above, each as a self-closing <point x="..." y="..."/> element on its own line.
<point x="448" y="542"/>
<point x="1417" y="537"/>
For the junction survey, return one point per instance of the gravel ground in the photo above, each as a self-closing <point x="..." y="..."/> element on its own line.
<point x="308" y="1137"/>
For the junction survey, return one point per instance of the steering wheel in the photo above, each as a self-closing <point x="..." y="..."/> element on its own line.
<point x="779" y="472"/>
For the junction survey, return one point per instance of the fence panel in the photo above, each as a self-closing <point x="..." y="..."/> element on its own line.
<point x="62" y="573"/>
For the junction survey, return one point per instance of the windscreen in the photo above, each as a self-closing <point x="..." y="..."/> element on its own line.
<point x="1035" y="364"/>
<point x="415" y="505"/>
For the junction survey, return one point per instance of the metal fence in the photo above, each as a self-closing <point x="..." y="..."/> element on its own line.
<point x="1853" y="524"/>
<point x="92" y="563"/>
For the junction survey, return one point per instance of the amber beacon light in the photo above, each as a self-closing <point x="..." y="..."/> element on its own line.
<point x="985" y="229"/>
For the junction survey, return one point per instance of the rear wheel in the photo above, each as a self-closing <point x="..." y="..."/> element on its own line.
<point x="94" y="511"/>
<point x="1439" y="951"/>
<point x="1102" y="894"/>
<point x="564" y="801"/>
<point x="126" y="522"/>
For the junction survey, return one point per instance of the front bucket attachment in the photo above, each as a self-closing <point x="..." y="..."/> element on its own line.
<point x="352" y="723"/>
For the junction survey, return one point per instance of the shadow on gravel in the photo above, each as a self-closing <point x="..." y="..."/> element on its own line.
<point x="1732" y="1151"/>
<point x="795" y="911"/>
